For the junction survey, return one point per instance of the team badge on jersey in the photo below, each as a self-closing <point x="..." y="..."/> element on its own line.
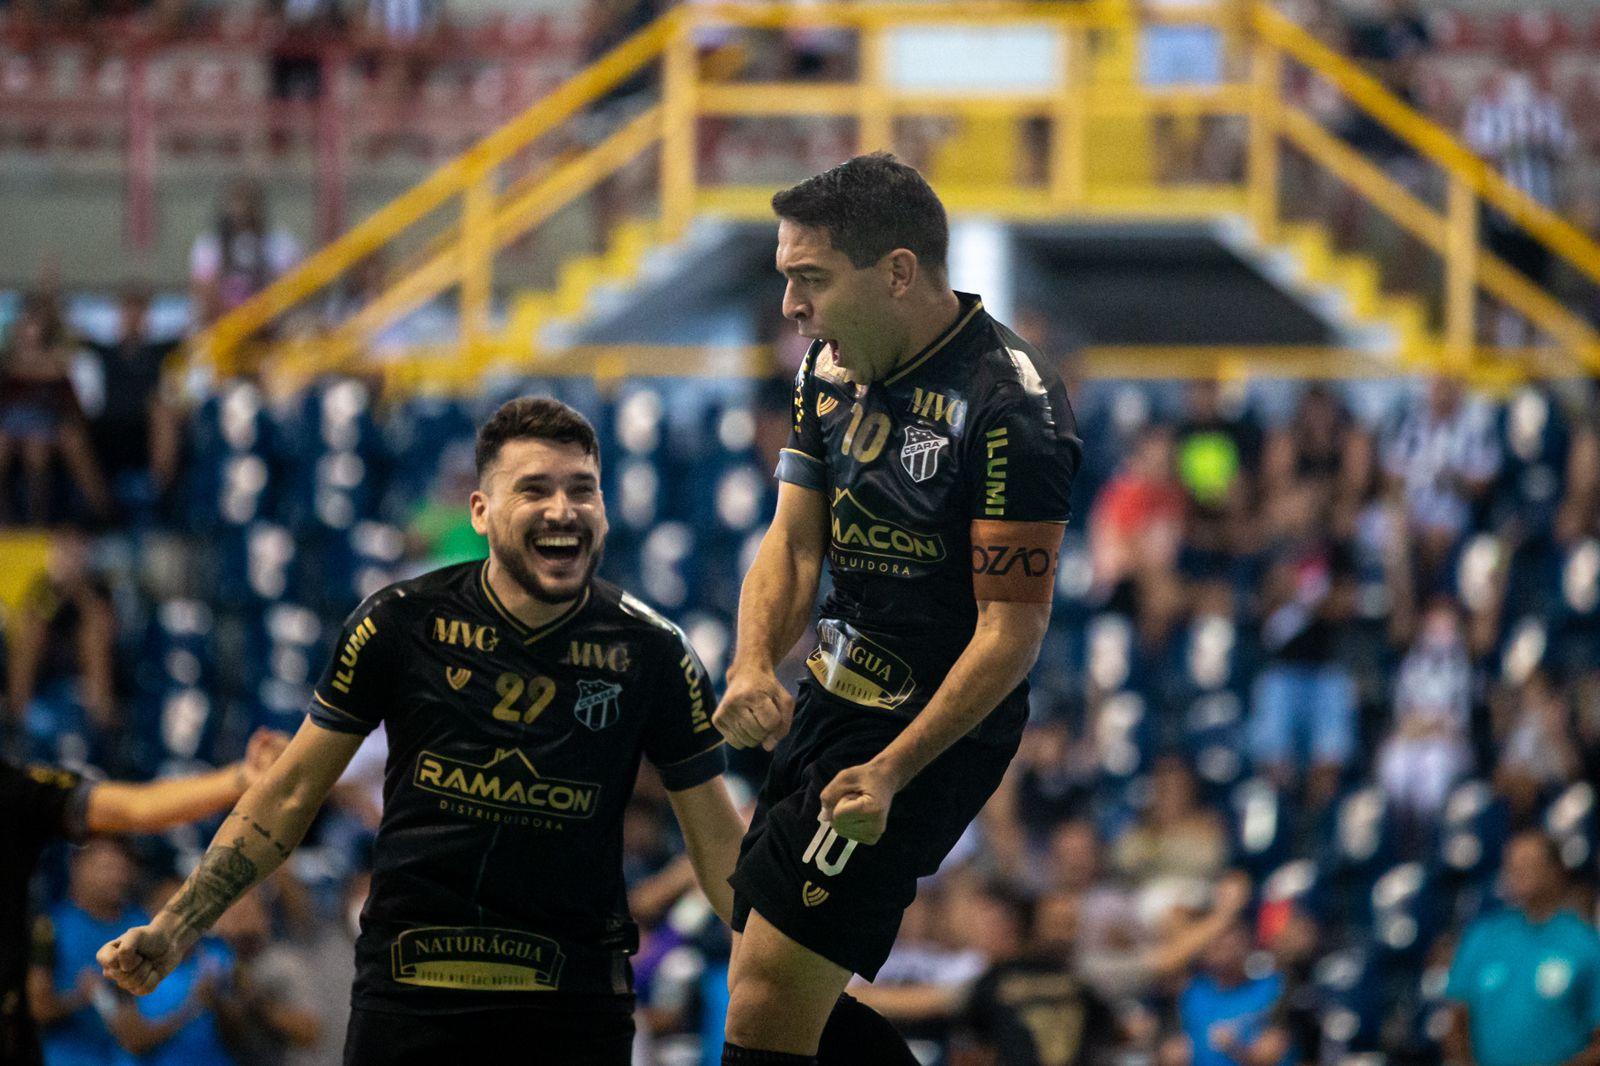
<point x="597" y="705"/>
<point x="458" y="677"/>
<point x="920" y="456"/>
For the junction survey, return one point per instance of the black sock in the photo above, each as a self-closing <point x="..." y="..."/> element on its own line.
<point x="857" y="1033"/>
<point x="743" y="1056"/>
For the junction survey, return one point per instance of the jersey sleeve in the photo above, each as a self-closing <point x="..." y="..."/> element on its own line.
<point x="355" y="689"/>
<point x="679" y="739"/>
<point x="801" y="461"/>
<point x="40" y="804"/>
<point x="1028" y="452"/>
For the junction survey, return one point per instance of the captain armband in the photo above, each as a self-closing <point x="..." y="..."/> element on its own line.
<point x="1015" y="562"/>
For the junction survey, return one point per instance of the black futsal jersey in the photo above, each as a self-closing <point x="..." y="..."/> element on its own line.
<point x="497" y="877"/>
<point x="975" y="427"/>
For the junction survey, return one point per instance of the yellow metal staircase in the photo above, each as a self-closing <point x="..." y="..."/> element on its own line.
<point x="1097" y="154"/>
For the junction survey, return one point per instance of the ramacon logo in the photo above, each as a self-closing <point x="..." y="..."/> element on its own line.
<point x="508" y="782"/>
<point x="859" y="531"/>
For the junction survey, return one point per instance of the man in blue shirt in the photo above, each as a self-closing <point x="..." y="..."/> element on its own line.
<point x="65" y="974"/>
<point x="1526" y="980"/>
<point x="1228" y="1017"/>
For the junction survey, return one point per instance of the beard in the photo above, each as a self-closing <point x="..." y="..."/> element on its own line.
<point x="514" y="563"/>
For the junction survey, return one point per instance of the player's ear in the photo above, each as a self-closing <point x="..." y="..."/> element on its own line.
<point x="478" y="506"/>
<point x="903" y="269"/>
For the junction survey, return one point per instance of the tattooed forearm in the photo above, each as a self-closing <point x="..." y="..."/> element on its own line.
<point x="224" y="874"/>
<point x="263" y="832"/>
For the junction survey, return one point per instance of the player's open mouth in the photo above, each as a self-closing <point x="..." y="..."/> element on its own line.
<point x="557" y="547"/>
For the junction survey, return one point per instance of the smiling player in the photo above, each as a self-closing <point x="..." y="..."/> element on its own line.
<point x="518" y="695"/>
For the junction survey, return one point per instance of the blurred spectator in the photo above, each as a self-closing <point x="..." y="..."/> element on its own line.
<point x="441" y="527"/>
<point x="40" y="418"/>
<point x="1304" y="703"/>
<point x="61" y="643"/>
<point x="176" y="1024"/>
<point x="1525" y="983"/>
<point x="934" y="961"/>
<point x="1229" y="1017"/>
<point x="1429" y="746"/>
<point x="1216" y="455"/>
<point x="1112" y="939"/>
<point x="65" y="989"/>
<point x="1029" y="1008"/>
<point x="1441" y="462"/>
<point x="1137" y="522"/>
<point x="306" y="26"/>
<point x="240" y="256"/>
<point x="1176" y="837"/>
<point x="269" y="1010"/>
<point x="1537" y="754"/>
<point x="1524" y="132"/>
<point x="135" y="432"/>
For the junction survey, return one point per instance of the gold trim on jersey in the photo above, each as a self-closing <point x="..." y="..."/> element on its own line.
<point x="528" y="635"/>
<point x="933" y="349"/>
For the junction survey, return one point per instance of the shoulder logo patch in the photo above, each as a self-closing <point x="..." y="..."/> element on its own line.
<point x="826" y="405"/>
<point x="920" y="455"/>
<point x="812" y="895"/>
<point x="457" y="677"/>
<point x="598" y="705"/>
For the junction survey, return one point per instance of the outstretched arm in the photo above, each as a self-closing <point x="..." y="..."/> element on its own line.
<point x="269" y="820"/>
<point x="121" y="807"/>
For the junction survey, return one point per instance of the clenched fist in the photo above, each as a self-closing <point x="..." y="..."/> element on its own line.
<point x="856" y="803"/>
<point x="756" y="710"/>
<point x="137" y="960"/>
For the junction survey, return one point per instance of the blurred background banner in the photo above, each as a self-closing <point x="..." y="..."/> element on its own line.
<point x="1322" y="276"/>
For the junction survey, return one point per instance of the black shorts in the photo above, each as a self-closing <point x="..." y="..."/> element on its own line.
<point x="842" y="900"/>
<point x="534" y="1037"/>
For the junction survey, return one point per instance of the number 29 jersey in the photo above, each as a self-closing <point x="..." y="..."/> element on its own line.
<point x="497" y="869"/>
<point x="974" y="428"/>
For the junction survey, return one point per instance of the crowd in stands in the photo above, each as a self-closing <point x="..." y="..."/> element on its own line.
<point x="1314" y="733"/>
<point x="1321" y="654"/>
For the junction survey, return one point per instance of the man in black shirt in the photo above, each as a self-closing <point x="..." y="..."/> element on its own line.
<point x="518" y="695"/>
<point x="39" y="804"/>
<point x="135" y="431"/>
<point x="1029" y="1008"/>
<point x="930" y="462"/>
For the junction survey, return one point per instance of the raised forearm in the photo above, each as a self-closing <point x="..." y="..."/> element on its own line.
<point x="995" y="661"/>
<point x="775" y="602"/>
<point x="256" y="838"/>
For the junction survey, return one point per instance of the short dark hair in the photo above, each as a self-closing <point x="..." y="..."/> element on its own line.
<point x="533" y="418"/>
<point x="871" y="205"/>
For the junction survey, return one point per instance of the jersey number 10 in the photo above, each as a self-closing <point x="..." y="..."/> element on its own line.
<point x="867" y="435"/>
<point x="823" y="843"/>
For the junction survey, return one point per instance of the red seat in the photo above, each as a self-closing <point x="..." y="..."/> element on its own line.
<point x="1453" y="30"/>
<point x="1536" y="30"/>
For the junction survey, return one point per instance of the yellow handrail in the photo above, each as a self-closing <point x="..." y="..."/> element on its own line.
<point x="1430" y="139"/>
<point x="220" y="343"/>
<point x="1091" y="97"/>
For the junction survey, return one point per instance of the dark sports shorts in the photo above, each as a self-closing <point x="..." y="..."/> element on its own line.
<point x="841" y="899"/>
<point x="535" y="1037"/>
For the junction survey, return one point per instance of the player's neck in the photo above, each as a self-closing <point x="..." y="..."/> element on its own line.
<point x="942" y="310"/>
<point x="531" y="612"/>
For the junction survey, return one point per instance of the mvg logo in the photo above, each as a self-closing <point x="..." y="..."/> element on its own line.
<point x="465" y="634"/>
